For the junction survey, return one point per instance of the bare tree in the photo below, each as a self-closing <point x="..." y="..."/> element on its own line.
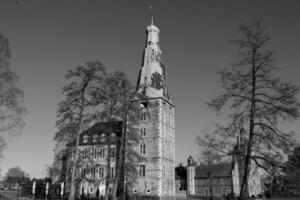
<point x="258" y="102"/>
<point x="11" y="97"/>
<point x="117" y="94"/>
<point x="73" y="112"/>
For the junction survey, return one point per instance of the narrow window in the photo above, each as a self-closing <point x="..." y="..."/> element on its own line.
<point x="142" y="170"/>
<point x="143" y="116"/>
<point x="113" y="152"/>
<point x="101" y="171"/>
<point x="143" y="131"/>
<point x="142" y="149"/>
<point x="112" y="172"/>
<point x="83" y="172"/>
<point x="93" y="172"/>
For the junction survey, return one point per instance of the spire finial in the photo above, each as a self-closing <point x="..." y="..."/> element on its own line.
<point x="152" y="13"/>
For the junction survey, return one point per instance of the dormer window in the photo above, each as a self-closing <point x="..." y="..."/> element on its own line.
<point x="85" y="138"/>
<point x="95" y="137"/>
<point x="102" y="137"/>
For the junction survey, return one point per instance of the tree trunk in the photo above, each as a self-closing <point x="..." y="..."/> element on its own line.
<point x="244" y="187"/>
<point x="107" y="180"/>
<point x="210" y="187"/>
<point x="74" y="165"/>
<point x="121" y="159"/>
<point x="80" y="129"/>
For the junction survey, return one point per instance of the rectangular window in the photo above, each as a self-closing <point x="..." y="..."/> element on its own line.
<point x="142" y="149"/>
<point x="142" y="170"/>
<point x="101" y="172"/>
<point x="83" y="172"/>
<point x="85" y="153"/>
<point x="112" y="172"/>
<point x="143" y="116"/>
<point x="93" y="172"/>
<point x="143" y="131"/>
<point x="94" y="152"/>
<point x="101" y="152"/>
<point x="113" y="152"/>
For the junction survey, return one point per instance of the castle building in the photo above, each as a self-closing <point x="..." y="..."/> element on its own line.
<point x="156" y="176"/>
<point x="222" y="178"/>
<point x="98" y="145"/>
<point x="157" y="124"/>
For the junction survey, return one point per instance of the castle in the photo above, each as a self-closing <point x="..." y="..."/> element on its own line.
<point x="156" y="177"/>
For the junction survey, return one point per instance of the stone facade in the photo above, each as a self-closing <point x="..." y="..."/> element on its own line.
<point x="157" y="125"/>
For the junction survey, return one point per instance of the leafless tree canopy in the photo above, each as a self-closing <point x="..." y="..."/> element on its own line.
<point x="258" y="101"/>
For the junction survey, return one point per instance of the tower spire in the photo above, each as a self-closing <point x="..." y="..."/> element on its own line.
<point x="152" y="14"/>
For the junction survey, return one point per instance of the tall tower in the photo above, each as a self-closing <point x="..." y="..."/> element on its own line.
<point x="157" y="125"/>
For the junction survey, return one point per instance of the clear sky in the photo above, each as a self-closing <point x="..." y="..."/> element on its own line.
<point x="48" y="37"/>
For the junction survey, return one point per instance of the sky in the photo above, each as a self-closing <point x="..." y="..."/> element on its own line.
<point x="49" y="37"/>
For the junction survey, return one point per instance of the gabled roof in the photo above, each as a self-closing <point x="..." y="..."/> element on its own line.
<point x="104" y="127"/>
<point x="216" y="170"/>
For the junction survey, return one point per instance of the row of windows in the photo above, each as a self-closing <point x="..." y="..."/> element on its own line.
<point x="95" y="153"/>
<point x="97" y="172"/>
<point x="95" y="137"/>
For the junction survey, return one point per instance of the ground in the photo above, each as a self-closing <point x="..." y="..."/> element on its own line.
<point x="13" y="195"/>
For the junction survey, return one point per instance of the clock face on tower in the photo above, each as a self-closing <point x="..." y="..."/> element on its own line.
<point x="156" y="81"/>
